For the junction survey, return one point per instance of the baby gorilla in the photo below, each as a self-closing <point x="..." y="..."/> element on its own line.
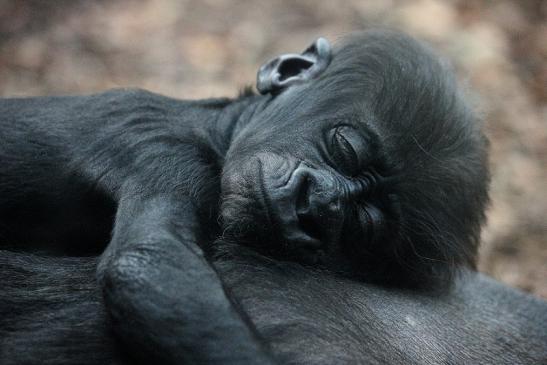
<point x="370" y="163"/>
<point x="365" y="161"/>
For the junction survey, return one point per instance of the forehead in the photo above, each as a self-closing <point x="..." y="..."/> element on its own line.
<point x="370" y="70"/>
<point x="376" y="80"/>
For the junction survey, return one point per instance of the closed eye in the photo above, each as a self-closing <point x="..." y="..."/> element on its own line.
<point x="345" y="146"/>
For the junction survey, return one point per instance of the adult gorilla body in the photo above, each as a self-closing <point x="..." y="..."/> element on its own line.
<point x="52" y="313"/>
<point x="370" y="165"/>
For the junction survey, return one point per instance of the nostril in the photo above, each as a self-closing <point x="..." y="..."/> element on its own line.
<point x="308" y="224"/>
<point x="304" y="210"/>
<point x="302" y="195"/>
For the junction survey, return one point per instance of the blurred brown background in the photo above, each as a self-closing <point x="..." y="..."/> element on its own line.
<point x="205" y="48"/>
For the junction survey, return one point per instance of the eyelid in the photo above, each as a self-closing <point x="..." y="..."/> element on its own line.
<point x="345" y="140"/>
<point x="352" y="140"/>
<point x="351" y="135"/>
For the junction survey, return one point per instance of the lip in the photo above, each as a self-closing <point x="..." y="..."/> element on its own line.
<point x="299" y="238"/>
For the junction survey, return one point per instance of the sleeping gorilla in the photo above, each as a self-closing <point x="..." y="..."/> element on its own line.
<point x="365" y="161"/>
<point x="374" y="159"/>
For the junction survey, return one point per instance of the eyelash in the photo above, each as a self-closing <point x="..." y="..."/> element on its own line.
<point x="344" y="154"/>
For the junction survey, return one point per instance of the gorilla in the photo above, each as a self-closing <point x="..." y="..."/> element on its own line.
<point x="363" y="165"/>
<point x="51" y="313"/>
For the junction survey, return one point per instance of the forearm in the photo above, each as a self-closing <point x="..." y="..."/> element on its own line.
<point x="165" y="299"/>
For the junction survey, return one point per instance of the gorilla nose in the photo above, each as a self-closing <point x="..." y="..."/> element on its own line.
<point x="317" y="203"/>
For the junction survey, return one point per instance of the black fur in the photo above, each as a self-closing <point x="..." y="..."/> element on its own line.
<point x="371" y="166"/>
<point x="51" y="313"/>
<point x="428" y="157"/>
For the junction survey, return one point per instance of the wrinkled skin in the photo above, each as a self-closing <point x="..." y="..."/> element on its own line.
<point x="365" y="161"/>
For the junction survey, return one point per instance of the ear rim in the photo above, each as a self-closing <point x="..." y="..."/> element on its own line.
<point x="318" y="54"/>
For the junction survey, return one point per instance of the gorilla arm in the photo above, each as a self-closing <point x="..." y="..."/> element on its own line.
<point x="164" y="298"/>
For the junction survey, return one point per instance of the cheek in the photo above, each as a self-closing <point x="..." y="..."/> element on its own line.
<point x="239" y="176"/>
<point x="240" y="210"/>
<point x="246" y="184"/>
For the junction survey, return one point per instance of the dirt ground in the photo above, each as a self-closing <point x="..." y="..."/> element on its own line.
<point x="205" y="48"/>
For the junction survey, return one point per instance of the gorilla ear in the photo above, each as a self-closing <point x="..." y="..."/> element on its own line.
<point x="290" y="69"/>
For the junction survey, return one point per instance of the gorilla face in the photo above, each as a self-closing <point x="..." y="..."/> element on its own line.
<point x="373" y="166"/>
<point x="305" y="183"/>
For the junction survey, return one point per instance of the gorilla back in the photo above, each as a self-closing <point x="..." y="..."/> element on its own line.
<point x="52" y="313"/>
<point x="365" y="161"/>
